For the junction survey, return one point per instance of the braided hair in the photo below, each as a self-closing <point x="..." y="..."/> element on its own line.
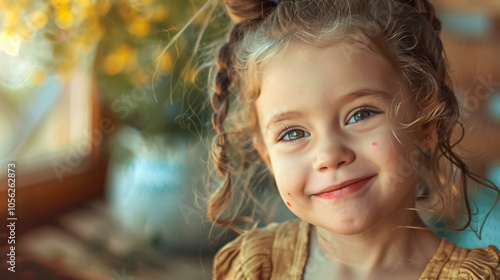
<point x="248" y="14"/>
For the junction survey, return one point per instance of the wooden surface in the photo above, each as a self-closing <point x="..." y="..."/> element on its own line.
<point x="87" y="244"/>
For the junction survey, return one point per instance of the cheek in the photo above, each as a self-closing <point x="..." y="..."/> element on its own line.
<point x="290" y="175"/>
<point x="387" y="154"/>
<point x="384" y="147"/>
<point x="393" y="160"/>
<point x="376" y="148"/>
<point x="381" y="150"/>
<point x="287" y="175"/>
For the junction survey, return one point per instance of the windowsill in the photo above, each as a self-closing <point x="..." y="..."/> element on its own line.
<point x="38" y="201"/>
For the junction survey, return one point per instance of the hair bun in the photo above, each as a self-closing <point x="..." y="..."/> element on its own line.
<point x="243" y="10"/>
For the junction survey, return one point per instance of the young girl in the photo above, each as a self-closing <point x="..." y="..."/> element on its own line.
<point x="348" y="105"/>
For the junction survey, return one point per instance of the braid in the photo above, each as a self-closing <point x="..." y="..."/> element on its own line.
<point x="220" y="104"/>
<point x="433" y="46"/>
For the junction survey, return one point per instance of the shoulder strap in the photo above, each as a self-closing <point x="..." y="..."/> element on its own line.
<point x="481" y="263"/>
<point x="290" y="250"/>
<point x="454" y="262"/>
<point x="278" y="251"/>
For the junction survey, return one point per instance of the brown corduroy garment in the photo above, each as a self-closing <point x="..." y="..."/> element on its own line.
<point x="279" y="251"/>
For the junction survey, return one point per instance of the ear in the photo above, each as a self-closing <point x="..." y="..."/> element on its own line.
<point x="430" y="135"/>
<point x="259" y="145"/>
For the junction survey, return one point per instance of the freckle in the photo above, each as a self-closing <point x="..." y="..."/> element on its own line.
<point x="374" y="143"/>
<point x="288" y="203"/>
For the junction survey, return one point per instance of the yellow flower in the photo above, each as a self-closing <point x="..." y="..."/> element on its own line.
<point x="3" y="5"/>
<point x="11" y="19"/>
<point x="64" y="18"/>
<point x="38" y="76"/>
<point x="60" y="2"/>
<point x="38" y="19"/>
<point x="122" y="57"/>
<point x="113" y="64"/>
<point x="102" y="7"/>
<point x="139" y="27"/>
<point x="161" y="13"/>
<point x="10" y="42"/>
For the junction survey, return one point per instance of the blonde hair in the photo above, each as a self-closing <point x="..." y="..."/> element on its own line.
<point x="405" y="32"/>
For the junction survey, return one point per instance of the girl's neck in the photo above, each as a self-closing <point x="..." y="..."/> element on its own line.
<point x="382" y="248"/>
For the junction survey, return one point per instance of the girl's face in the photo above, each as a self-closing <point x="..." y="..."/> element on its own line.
<point x="332" y="137"/>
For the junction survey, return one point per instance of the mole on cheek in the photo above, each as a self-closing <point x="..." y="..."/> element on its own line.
<point x="288" y="203"/>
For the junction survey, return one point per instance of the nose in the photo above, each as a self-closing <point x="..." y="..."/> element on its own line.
<point x="332" y="155"/>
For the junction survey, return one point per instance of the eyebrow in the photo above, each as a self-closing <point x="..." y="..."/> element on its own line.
<point x="348" y="98"/>
<point x="282" y="117"/>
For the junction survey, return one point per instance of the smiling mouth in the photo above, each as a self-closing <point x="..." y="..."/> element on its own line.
<point x="344" y="189"/>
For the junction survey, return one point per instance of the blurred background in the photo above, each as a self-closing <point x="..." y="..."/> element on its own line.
<point x="108" y="133"/>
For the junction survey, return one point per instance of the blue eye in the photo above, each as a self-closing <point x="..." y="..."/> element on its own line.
<point x="361" y="115"/>
<point x="295" y="134"/>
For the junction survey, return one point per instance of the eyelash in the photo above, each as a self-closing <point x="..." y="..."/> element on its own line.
<point x="285" y="130"/>
<point x="289" y="128"/>
<point x="372" y="111"/>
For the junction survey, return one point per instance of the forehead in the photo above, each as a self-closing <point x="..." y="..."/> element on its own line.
<point x="301" y="73"/>
<point x="337" y="60"/>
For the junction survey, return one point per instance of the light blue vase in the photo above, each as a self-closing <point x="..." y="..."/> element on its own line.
<point x="152" y="188"/>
